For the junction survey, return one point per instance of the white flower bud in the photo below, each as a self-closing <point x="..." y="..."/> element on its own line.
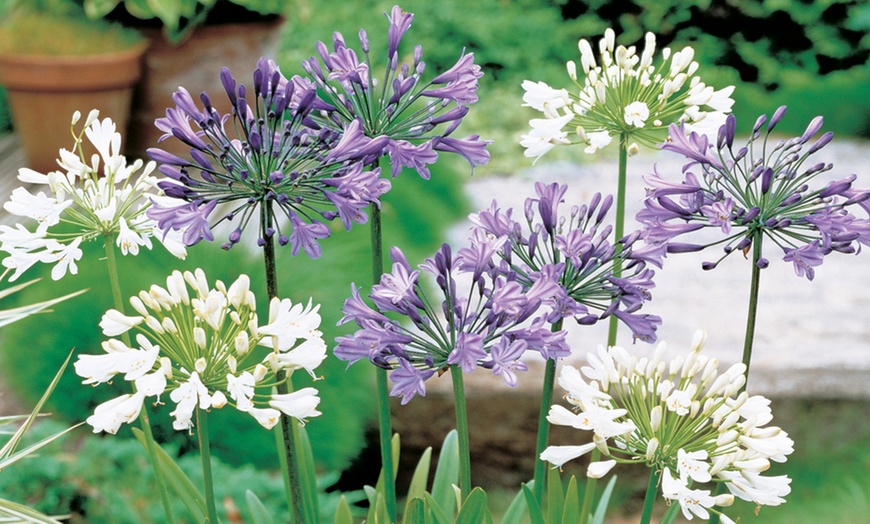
<point x="633" y="149"/>
<point x="724" y="500"/>
<point x="726" y="437"/>
<point x="218" y="400"/>
<point x="596" y="470"/>
<point x="242" y="343"/>
<point x="154" y="324"/>
<point x="93" y="115"/>
<point x="234" y="317"/>
<point x="651" y="447"/>
<point x="199" y="337"/>
<point x="139" y="306"/>
<point x="655" y="418"/>
<point x="232" y="364"/>
<point x="166" y="366"/>
<point x="169" y="325"/>
<point x="260" y="372"/>
<point x="572" y="70"/>
<point x="200" y="365"/>
<point x="76" y="116"/>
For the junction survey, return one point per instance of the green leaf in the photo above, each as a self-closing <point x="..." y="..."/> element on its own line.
<point x="516" y="510"/>
<point x="555" y="496"/>
<point x="415" y="512"/>
<point x="418" y="480"/>
<point x="307" y="474"/>
<point x="343" y="514"/>
<point x="535" y="513"/>
<point x="374" y="496"/>
<point x="259" y="513"/>
<point x="571" y="508"/>
<point x="396" y="444"/>
<point x="178" y="482"/>
<point x="99" y="8"/>
<point x="447" y="473"/>
<point x="21" y="513"/>
<point x="436" y="512"/>
<point x="9" y="448"/>
<point x="474" y="509"/>
<point x="601" y="509"/>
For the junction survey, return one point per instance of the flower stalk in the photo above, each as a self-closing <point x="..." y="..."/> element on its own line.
<point x="385" y="427"/>
<point x="544" y="426"/>
<point x="650" y="497"/>
<point x="619" y="225"/>
<point x="462" y="429"/>
<point x="205" y="456"/>
<point x="144" y="421"/>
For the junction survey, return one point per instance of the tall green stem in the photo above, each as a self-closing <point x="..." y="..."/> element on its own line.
<point x="619" y="226"/>
<point x="150" y="444"/>
<point x="753" y="304"/>
<point x="385" y="427"/>
<point x="589" y="494"/>
<point x="543" y="424"/>
<point x="751" y="316"/>
<point x="462" y="429"/>
<point x="297" y="499"/>
<point x="205" y="455"/>
<point x="651" y="493"/>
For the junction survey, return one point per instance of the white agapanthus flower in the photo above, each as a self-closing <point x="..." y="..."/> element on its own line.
<point x="681" y="418"/>
<point x="196" y="343"/>
<point x="86" y="199"/>
<point x="621" y="93"/>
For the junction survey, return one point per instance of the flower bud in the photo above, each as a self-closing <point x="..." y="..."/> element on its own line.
<point x="218" y="400"/>
<point x="169" y="325"/>
<point x="260" y="372"/>
<point x="652" y="446"/>
<point x="200" y="365"/>
<point x="232" y="364"/>
<point x="199" y="337"/>
<point x="242" y="343"/>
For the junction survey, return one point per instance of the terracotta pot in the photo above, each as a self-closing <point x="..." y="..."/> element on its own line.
<point x="195" y="64"/>
<point x="45" y="91"/>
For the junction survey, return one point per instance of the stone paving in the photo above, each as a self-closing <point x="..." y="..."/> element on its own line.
<point x="813" y="338"/>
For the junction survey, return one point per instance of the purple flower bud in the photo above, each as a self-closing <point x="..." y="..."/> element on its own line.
<point x="766" y="179"/>
<point x="680" y="247"/>
<point x="837" y="187"/>
<point x="821" y="142"/>
<point x="813" y="128"/>
<point x="707" y="266"/>
<point x="777" y="116"/>
<point x="758" y="123"/>
<point x="364" y="41"/>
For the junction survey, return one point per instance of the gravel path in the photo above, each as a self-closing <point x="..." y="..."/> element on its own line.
<point x="813" y="338"/>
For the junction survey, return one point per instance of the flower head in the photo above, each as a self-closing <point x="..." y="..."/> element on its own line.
<point x="273" y="165"/>
<point x="87" y="199"/>
<point x="681" y="417"/>
<point x="416" y="115"/>
<point x="623" y="93"/>
<point x="761" y="191"/>
<point x="572" y="249"/>
<point x="196" y="342"/>
<point x="484" y="328"/>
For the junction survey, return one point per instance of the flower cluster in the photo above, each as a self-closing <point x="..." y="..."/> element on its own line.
<point x="681" y="418"/>
<point x="623" y="94"/>
<point x="759" y="191"/>
<point x="417" y="116"/>
<point x="199" y="345"/>
<point x="90" y="198"/>
<point x="485" y="328"/>
<point x="574" y="251"/>
<point x="274" y="165"/>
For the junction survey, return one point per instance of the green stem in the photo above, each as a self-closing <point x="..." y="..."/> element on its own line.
<point x="751" y="316"/>
<point x="619" y="227"/>
<point x="462" y="429"/>
<point x="543" y="424"/>
<point x="385" y="428"/>
<point x="651" y="493"/>
<point x="586" y="510"/>
<point x="150" y="444"/>
<point x="205" y="455"/>
<point x="297" y="500"/>
<point x="753" y="305"/>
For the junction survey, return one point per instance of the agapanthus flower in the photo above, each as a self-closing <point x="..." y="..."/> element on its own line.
<point x="491" y="326"/>
<point x="681" y="418"/>
<point x="573" y="250"/>
<point x="266" y="161"/>
<point x="418" y="116"/>
<point x="761" y="190"/>
<point x="623" y="94"/>
<point x="88" y="198"/>
<point x="195" y="345"/>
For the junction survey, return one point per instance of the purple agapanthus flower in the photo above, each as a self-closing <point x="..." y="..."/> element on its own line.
<point x="759" y="191"/>
<point x="268" y="161"/>
<point x="418" y="116"/>
<point x="491" y="326"/>
<point x="573" y="251"/>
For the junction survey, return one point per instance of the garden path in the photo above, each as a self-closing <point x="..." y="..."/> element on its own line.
<point x="813" y="338"/>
